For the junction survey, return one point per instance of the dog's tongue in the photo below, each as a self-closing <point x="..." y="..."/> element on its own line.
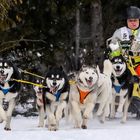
<point x="53" y="89"/>
<point x="118" y="72"/>
<point x="89" y="82"/>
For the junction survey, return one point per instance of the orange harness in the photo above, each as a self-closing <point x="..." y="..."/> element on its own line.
<point x="83" y="94"/>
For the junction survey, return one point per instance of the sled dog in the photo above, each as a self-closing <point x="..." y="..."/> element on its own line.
<point x="9" y="90"/>
<point x="123" y="83"/>
<point x="91" y="87"/>
<point x="56" y="96"/>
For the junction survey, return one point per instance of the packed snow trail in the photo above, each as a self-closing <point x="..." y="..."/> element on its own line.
<point x="26" y="129"/>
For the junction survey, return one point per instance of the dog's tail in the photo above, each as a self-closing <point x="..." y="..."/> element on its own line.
<point x="107" y="69"/>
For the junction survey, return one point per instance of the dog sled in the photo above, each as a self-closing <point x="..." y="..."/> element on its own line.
<point x="130" y="50"/>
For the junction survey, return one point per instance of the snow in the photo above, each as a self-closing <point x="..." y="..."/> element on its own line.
<point x="26" y="129"/>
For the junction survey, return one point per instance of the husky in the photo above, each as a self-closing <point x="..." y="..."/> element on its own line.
<point x="122" y="80"/>
<point x="91" y="87"/>
<point x="56" y="95"/>
<point x="40" y="102"/>
<point x="9" y="90"/>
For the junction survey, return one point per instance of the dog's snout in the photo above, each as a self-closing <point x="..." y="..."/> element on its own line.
<point x="118" y="67"/>
<point x="90" y="78"/>
<point x="54" y="83"/>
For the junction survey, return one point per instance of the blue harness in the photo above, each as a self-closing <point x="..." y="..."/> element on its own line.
<point x="118" y="88"/>
<point x="57" y="95"/>
<point x="5" y="90"/>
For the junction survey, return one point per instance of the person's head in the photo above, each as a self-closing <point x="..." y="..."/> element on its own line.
<point x="133" y="17"/>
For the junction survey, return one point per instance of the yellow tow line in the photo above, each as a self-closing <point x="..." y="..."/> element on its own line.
<point x="27" y="82"/>
<point x="35" y="84"/>
<point x="24" y="71"/>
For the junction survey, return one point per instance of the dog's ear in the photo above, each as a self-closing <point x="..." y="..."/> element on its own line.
<point x="94" y="66"/>
<point x="98" y="69"/>
<point x="61" y="68"/>
<point x="73" y="75"/>
<point x="49" y="67"/>
<point x="123" y="58"/>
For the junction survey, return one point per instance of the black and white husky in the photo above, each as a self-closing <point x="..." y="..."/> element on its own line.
<point x="91" y="87"/>
<point x="122" y="86"/>
<point x="56" y="96"/>
<point x="40" y="102"/>
<point x="8" y="91"/>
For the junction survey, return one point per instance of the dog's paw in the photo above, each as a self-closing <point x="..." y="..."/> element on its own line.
<point x="7" y="129"/>
<point x="123" y="121"/>
<point x="52" y="127"/>
<point x="40" y="125"/>
<point x="102" y="121"/>
<point x="84" y="127"/>
<point x="77" y="127"/>
<point x="111" y="117"/>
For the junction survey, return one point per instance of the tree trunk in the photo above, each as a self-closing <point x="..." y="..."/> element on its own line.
<point x="97" y="30"/>
<point x="77" y="39"/>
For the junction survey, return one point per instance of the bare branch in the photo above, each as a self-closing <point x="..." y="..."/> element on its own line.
<point x="26" y="40"/>
<point x="16" y="42"/>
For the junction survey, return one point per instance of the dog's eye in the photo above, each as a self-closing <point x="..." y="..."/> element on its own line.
<point x="86" y="72"/>
<point x="116" y="60"/>
<point x="57" y="76"/>
<point x="37" y="81"/>
<point x="5" y="64"/>
<point x="52" y="76"/>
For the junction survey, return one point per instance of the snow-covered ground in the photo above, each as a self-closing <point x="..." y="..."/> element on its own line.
<point x="26" y="129"/>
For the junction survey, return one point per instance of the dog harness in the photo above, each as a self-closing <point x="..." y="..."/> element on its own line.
<point x="83" y="94"/>
<point x="57" y="95"/>
<point x="5" y="90"/>
<point x="118" y="87"/>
